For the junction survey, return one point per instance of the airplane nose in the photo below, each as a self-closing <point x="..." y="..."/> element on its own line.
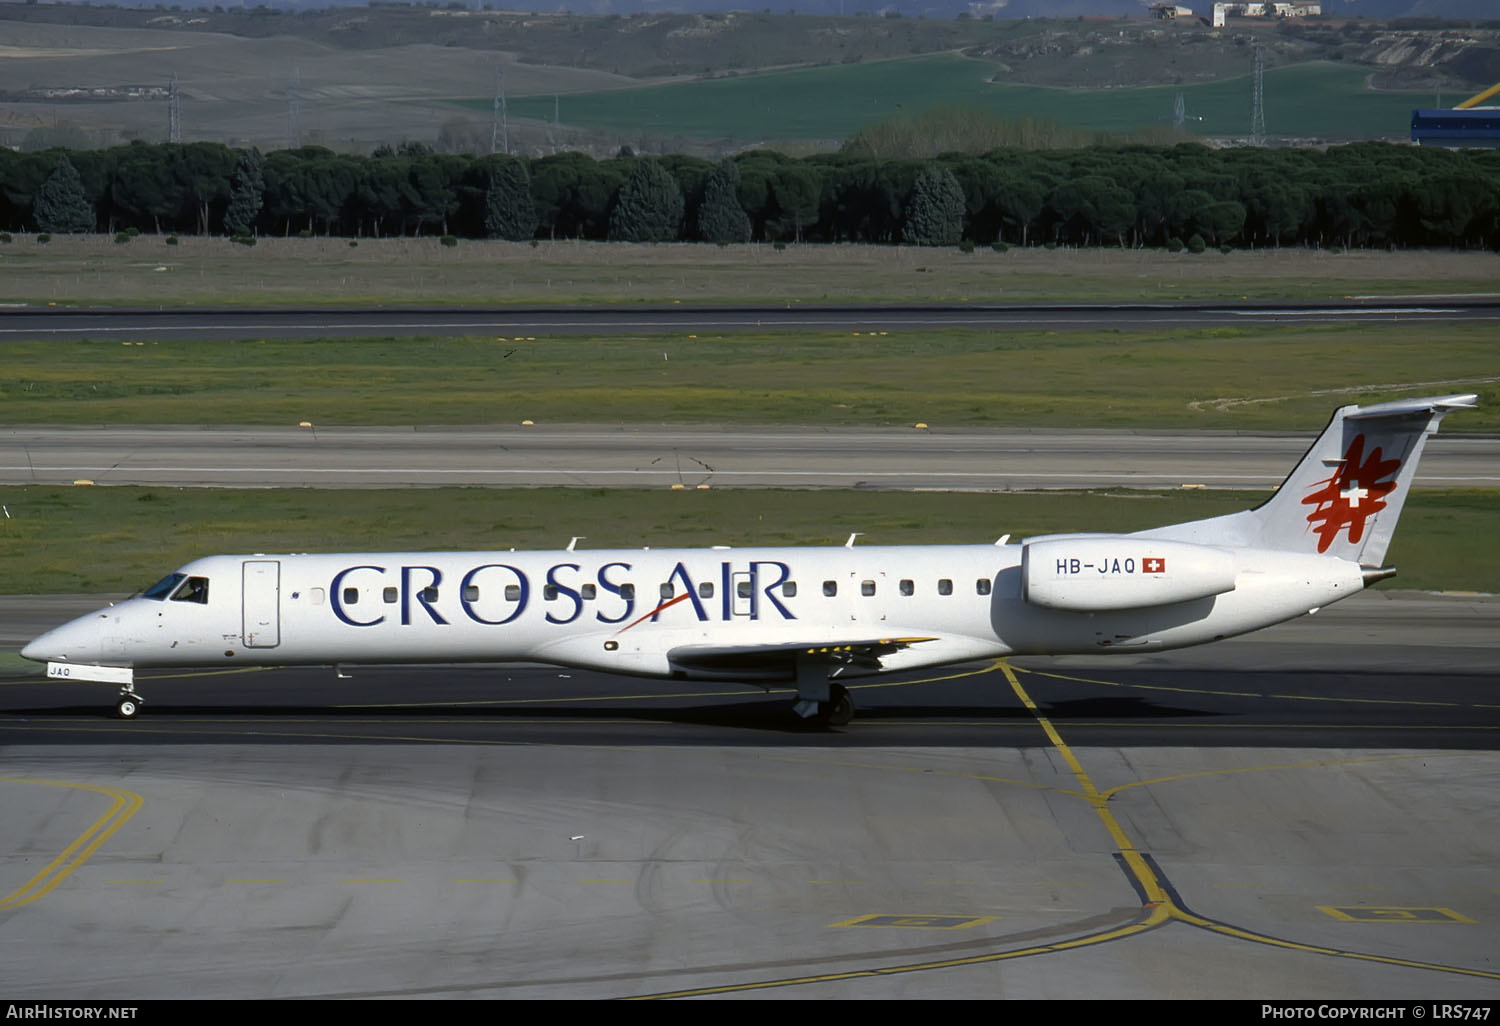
<point x="78" y="641"/>
<point x="37" y="649"/>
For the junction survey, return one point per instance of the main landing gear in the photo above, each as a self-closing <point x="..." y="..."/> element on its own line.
<point x="128" y="705"/>
<point x="820" y="701"/>
<point x="839" y="709"/>
<point x="834" y="711"/>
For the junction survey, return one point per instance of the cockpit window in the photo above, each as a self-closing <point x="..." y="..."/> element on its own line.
<point x="164" y="587"/>
<point x="194" y="589"/>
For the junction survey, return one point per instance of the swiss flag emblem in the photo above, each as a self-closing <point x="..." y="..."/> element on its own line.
<point x="1154" y="565"/>
<point x="1352" y="495"/>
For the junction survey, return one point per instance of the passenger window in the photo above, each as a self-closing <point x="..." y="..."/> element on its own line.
<point x="549" y="592"/>
<point x="429" y="594"/>
<point x="588" y="591"/>
<point x="666" y="590"/>
<point x="351" y="596"/>
<point x="867" y="587"/>
<point x="512" y="593"/>
<point x="907" y="588"/>
<point x="789" y="589"/>
<point x="742" y="589"/>
<point x="627" y="592"/>
<point x="318" y="596"/>
<point x="389" y="595"/>
<point x="982" y="586"/>
<point x="830" y="588"/>
<point x="706" y="589"/>
<point x="471" y="593"/>
<point x="945" y="587"/>
<point x="194" y="589"/>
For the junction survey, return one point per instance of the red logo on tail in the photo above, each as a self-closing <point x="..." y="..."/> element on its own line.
<point x="1352" y="495"/>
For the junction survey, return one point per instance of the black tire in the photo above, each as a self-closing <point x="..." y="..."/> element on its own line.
<point x="839" y="707"/>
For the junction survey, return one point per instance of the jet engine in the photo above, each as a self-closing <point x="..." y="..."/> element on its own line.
<point x="1091" y="574"/>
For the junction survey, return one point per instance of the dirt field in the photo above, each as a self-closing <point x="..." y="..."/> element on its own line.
<point x="234" y="90"/>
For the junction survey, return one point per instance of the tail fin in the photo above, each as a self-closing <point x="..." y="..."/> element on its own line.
<point x="1346" y="495"/>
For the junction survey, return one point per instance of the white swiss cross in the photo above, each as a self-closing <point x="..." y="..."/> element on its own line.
<point x="1353" y="495"/>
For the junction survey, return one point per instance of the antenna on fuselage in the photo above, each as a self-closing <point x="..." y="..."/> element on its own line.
<point x="850" y="543"/>
<point x="576" y="539"/>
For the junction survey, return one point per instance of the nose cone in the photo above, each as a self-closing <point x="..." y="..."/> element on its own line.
<point x="78" y="641"/>
<point x="34" y="649"/>
<point x="48" y="646"/>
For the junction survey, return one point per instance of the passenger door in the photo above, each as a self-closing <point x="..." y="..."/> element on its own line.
<point x="261" y="603"/>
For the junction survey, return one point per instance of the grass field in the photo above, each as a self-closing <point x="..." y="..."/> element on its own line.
<point x="52" y="540"/>
<point x="1257" y="377"/>
<point x="85" y="270"/>
<point x="1316" y="100"/>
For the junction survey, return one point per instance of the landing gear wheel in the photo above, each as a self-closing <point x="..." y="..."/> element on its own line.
<point x="839" y="709"/>
<point x="128" y="706"/>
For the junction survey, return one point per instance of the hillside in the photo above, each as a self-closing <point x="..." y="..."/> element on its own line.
<point x="936" y="9"/>
<point x="351" y="78"/>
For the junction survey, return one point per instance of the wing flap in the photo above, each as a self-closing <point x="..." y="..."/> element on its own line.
<point x="779" y="661"/>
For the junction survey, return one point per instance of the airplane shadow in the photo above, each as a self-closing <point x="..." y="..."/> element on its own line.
<point x="773" y="714"/>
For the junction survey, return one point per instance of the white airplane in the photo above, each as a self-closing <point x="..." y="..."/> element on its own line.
<point x="808" y="617"/>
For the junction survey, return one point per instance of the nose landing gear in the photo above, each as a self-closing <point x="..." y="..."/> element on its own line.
<point x="128" y="705"/>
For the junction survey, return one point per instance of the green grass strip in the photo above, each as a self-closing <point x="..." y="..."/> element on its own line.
<point x="92" y="270"/>
<point x="1315" y="99"/>
<point x="1257" y="377"/>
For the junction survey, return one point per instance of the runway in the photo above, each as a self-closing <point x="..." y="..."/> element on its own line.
<point x="594" y="456"/>
<point x="1302" y="814"/>
<point x="219" y="325"/>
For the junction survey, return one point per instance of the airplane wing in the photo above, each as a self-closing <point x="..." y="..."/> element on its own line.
<point x="779" y="661"/>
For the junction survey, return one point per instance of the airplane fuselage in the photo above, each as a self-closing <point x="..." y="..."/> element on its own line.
<point x="647" y="612"/>
<point x="807" y="616"/>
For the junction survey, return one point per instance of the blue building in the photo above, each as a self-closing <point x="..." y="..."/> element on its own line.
<point x="1467" y="124"/>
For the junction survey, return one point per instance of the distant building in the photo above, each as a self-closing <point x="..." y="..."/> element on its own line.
<point x="1456" y="128"/>
<point x="1265" y="8"/>
<point x="1170" y="12"/>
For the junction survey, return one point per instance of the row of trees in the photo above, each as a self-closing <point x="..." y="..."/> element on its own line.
<point x="1366" y="194"/>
